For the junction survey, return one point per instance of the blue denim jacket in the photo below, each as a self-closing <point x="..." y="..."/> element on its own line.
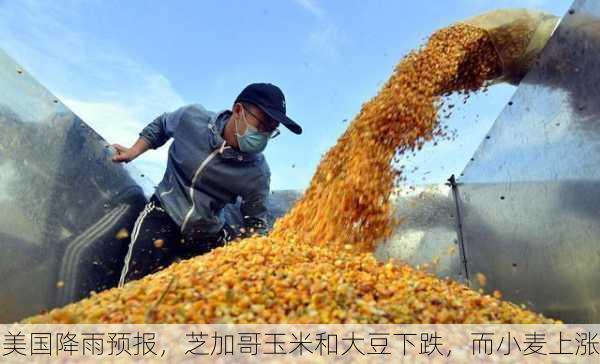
<point x="204" y="174"/>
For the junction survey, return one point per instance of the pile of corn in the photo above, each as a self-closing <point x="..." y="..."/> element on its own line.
<point x="316" y="265"/>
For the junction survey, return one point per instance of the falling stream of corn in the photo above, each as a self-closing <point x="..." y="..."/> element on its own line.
<point x="316" y="265"/>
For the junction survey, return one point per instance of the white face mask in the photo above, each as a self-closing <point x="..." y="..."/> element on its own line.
<point x="252" y="141"/>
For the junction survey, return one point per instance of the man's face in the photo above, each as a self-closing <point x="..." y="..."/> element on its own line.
<point x="252" y="115"/>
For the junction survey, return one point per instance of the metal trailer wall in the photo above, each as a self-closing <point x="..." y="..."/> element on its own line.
<point x="530" y="197"/>
<point x="62" y="201"/>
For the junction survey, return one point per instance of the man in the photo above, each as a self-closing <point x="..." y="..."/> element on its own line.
<point x="214" y="159"/>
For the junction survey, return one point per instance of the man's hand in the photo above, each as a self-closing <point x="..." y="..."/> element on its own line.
<point x="124" y="154"/>
<point x="253" y="226"/>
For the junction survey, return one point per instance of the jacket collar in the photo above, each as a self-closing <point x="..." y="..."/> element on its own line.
<point x="215" y="126"/>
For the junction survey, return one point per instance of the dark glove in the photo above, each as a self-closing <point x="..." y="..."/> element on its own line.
<point x="253" y="226"/>
<point x="211" y="240"/>
<point x="226" y="234"/>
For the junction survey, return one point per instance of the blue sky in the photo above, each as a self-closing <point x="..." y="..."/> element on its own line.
<point x="119" y="64"/>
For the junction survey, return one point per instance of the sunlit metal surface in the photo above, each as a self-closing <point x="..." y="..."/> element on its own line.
<point x="530" y="197"/>
<point x="62" y="201"/>
<point x="427" y="235"/>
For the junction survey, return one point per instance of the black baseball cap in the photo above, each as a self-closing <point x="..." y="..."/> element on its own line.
<point x="271" y="101"/>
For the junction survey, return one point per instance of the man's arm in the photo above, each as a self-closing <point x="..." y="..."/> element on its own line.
<point x="153" y="136"/>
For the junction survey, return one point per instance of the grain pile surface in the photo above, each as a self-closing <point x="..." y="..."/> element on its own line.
<point x="317" y="265"/>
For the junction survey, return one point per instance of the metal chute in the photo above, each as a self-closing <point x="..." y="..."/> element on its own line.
<point x="518" y="36"/>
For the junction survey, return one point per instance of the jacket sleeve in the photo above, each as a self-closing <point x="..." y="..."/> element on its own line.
<point x="254" y="205"/>
<point x="158" y="132"/>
